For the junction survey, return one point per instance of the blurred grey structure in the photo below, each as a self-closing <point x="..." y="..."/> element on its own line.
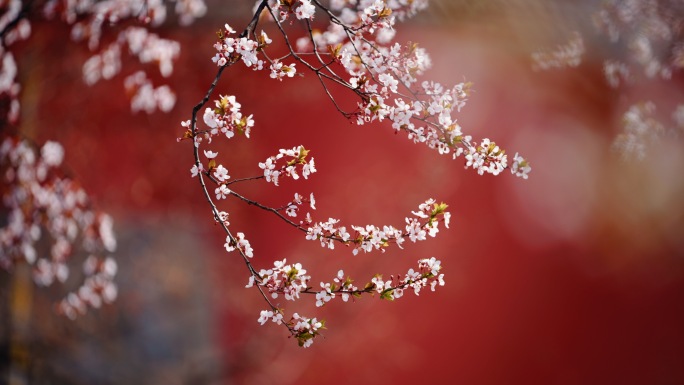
<point x="159" y="331"/>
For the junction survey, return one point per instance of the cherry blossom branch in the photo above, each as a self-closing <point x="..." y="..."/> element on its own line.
<point x="357" y="41"/>
<point x="365" y="238"/>
<point x="291" y="281"/>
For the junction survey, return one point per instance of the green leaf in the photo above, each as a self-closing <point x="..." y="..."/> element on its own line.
<point x="387" y="294"/>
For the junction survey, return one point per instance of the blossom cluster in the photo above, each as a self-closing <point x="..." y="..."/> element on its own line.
<point x="97" y="288"/>
<point x="219" y="174"/>
<point x="566" y="55"/>
<point x="302" y="328"/>
<point x="9" y="87"/>
<point x="487" y="157"/>
<point x="616" y="72"/>
<point x="375" y="17"/>
<point x="639" y="30"/>
<point x="292" y="208"/>
<point x="286" y="163"/>
<point x="302" y="9"/>
<point x="642" y="28"/>
<point x="645" y="43"/>
<point x="641" y="130"/>
<point x="520" y="166"/>
<point x="45" y="208"/>
<point x="230" y="49"/>
<point x="147" y="47"/>
<point x="239" y="243"/>
<point x="428" y="274"/>
<point x="226" y="119"/>
<point x="288" y="280"/>
<point x="370" y="237"/>
<point x="145" y="97"/>
<point x="88" y="19"/>
<point x="305" y="329"/>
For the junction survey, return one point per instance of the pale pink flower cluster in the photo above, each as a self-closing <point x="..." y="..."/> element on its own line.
<point x="370" y="237"/>
<point x="239" y="243"/>
<point x="639" y="30"/>
<point x="189" y="10"/>
<point x="376" y="16"/>
<point x="88" y="17"/>
<point x="302" y="9"/>
<point x="305" y="329"/>
<point x="104" y="65"/>
<point x="291" y="281"/>
<point x="328" y="232"/>
<point x="269" y="315"/>
<point x="643" y="28"/>
<point x="147" y="47"/>
<point x="566" y="55"/>
<point x="302" y="328"/>
<point x="21" y="31"/>
<point x="279" y="71"/>
<point x="49" y="219"/>
<point x="223" y="218"/>
<point x="520" y="167"/>
<point x="288" y="280"/>
<point x="97" y="289"/>
<point x="222" y="191"/>
<point x="678" y="118"/>
<point x="9" y="88"/>
<point x="146" y="97"/>
<point x="226" y="119"/>
<point x="150" y="48"/>
<point x="220" y="175"/>
<point x="324" y="296"/>
<point x="292" y="208"/>
<point x="646" y="43"/>
<point x="196" y="169"/>
<point x="428" y="274"/>
<point x="616" y="72"/>
<point x="286" y="163"/>
<point x="231" y="49"/>
<point x="487" y="157"/>
<point x="341" y="285"/>
<point x="640" y="131"/>
<point x="346" y="288"/>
